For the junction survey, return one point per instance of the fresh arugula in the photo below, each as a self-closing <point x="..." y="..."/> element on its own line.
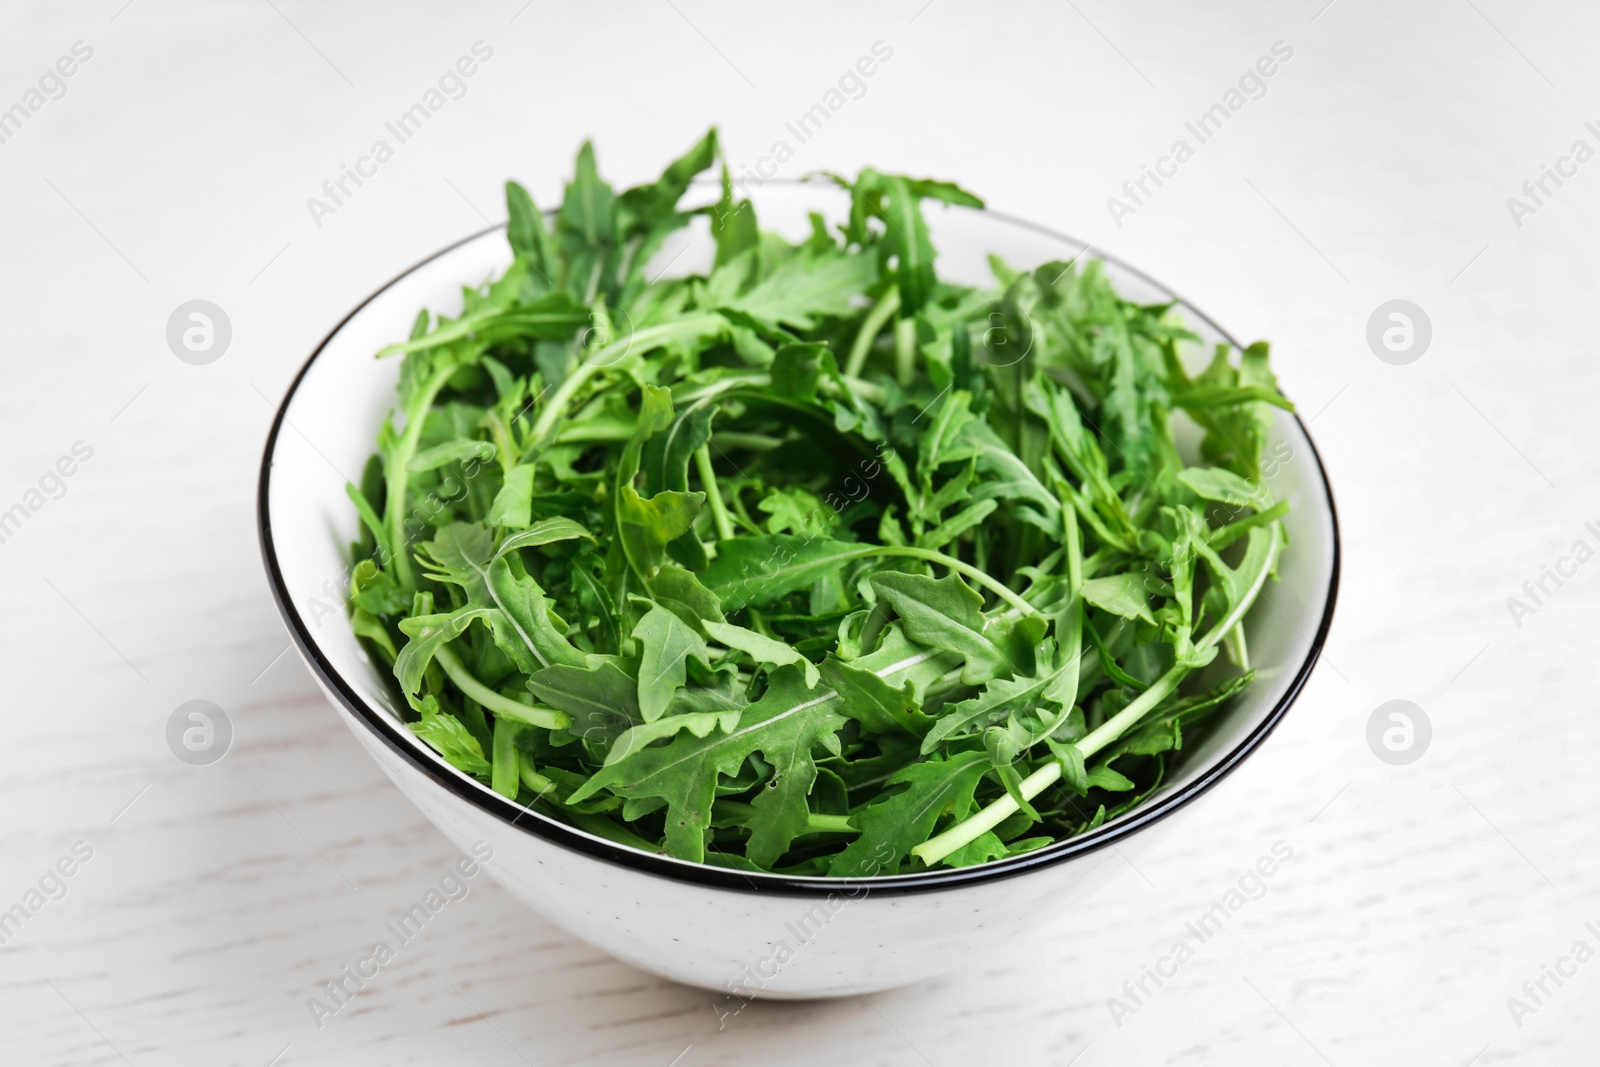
<point x="814" y="563"/>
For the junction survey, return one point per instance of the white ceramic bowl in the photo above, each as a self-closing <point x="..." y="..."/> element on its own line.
<point x="741" y="934"/>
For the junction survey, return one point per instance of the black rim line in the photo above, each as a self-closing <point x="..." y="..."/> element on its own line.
<point x="550" y="829"/>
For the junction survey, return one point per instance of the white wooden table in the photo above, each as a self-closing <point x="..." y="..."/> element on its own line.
<point x="176" y="162"/>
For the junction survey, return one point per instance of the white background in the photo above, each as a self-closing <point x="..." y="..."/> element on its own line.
<point x="1377" y="166"/>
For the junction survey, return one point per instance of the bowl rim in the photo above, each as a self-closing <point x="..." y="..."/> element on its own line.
<point x="551" y="830"/>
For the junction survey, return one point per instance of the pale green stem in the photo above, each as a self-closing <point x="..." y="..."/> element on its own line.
<point x="708" y="482"/>
<point x="937" y="848"/>
<point x="535" y="781"/>
<point x="440" y="337"/>
<point x="504" y="452"/>
<point x="1074" y="551"/>
<point x="947" y="681"/>
<point x="871" y="392"/>
<point x="577" y="433"/>
<point x="505" y="762"/>
<point x="1246" y="601"/>
<point x="815" y="824"/>
<point x="870" y="328"/>
<point x="1237" y="648"/>
<point x="396" y="476"/>
<point x="549" y="718"/>
<point x="1122" y="721"/>
<point x="752" y="442"/>
<point x="905" y="351"/>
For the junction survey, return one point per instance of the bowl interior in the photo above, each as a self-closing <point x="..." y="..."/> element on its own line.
<point x="331" y="418"/>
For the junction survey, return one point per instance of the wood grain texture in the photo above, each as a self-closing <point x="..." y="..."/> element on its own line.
<point x="1376" y="165"/>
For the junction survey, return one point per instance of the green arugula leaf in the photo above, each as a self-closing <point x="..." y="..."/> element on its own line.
<point x="783" y="726"/>
<point x="667" y="643"/>
<point x="765" y="567"/>
<point x="806" y="287"/>
<point x="1217" y="483"/>
<point x="603" y="700"/>
<point x="798" y="369"/>
<point x="587" y="226"/>
<point x="647" y="206"/>
<point x="733" y="224"/>
<point x="878" y="706"/>
<point x="678" y="589"/>
<point x="513" y="504"/>
<point x="698" y="723"/>
<point x="647" y="525"/>
<point x="1001" y="698"/>
<point x="1120" y="594"/>
<point x="450" y="452"/>
<point x="527" y="235"/>
<point x="892" y="826"/>
<point x="428" y="634"/>
<point x="907" y="237"/>
<point x="944" y="613"/>
<point x="451" y="740"/>
<point x="764" y="650"/>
